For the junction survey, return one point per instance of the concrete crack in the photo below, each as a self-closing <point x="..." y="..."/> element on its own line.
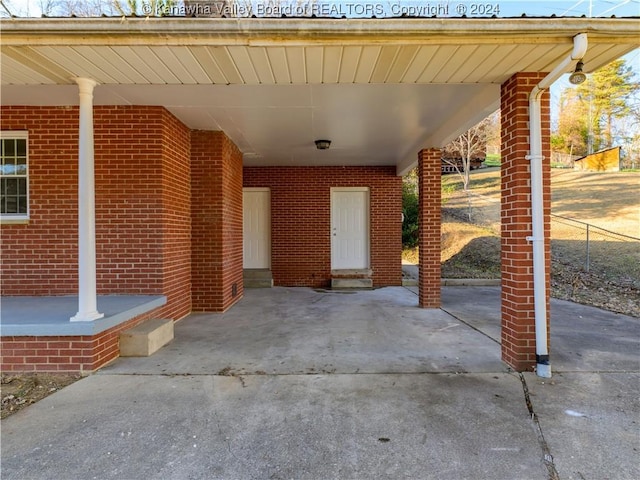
<point x="547" y="458"/>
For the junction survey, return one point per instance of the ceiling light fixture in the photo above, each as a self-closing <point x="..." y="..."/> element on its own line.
<point x="323" y="144"/>
<point x="577" y="77"/>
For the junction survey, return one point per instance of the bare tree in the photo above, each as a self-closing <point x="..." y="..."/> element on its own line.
<point x="469" y="150"/>
<point x="470" y="147"/>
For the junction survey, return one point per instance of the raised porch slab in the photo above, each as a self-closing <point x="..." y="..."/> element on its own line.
<point x="49" y="316"/>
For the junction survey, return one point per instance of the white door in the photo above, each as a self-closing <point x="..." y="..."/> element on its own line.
<point x="256" y="205"/>
<point x="349" y="228"/>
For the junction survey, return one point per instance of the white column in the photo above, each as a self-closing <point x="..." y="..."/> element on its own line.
<point x="87" y="297"/>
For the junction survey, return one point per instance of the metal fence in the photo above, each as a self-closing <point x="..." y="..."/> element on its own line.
<point x="612" y="256"/>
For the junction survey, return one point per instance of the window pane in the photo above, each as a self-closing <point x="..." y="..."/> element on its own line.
<point x="22" y="187"/>
<point x="9" y="147"/>
<point x="22" y="204"/>
<point x="11" y="204"/>
<point x="14" y="195"/>
<point x="21" y="147"/>
<point x="9" y="186"/>
<point x="8" y="169"/>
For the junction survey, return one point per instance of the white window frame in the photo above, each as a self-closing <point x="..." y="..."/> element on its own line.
<point x="8" y="218"/>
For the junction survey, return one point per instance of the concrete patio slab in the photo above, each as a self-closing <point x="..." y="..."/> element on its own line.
<point x="591" y="422"/>
<point x="431" y="426"/>
<point x="305" y="331"/>
<point x="583" y="338"/>
<point x="304" y="384"/>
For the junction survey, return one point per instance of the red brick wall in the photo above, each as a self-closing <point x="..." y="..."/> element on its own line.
<point x="128" y="171"/>
<point x="518" y="319"/>
<point x="300" y="220"/>
<point x="142" y="194"/>
<point x="176" y="217"/>
<point x="41" y="258"/>
<point x="216" y="185"/>
<point x="429" y="214"/>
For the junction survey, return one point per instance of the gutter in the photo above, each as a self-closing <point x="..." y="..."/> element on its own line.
<point x="543" y="367"/>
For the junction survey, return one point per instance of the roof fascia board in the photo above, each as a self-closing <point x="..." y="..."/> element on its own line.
<point x="300" y="32"/>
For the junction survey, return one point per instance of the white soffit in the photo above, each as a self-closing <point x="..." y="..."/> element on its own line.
<point x="206" y="65"/>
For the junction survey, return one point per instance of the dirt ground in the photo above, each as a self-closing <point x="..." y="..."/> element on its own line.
<point x="21" y="390"/>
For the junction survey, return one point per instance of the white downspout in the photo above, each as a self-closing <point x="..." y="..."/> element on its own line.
<point x="543" y="368"/>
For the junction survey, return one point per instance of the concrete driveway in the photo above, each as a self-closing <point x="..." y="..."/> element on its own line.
<point x="297" y="383"/>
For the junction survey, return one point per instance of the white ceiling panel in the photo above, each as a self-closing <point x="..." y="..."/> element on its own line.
<point x="503" y="66"/>
<point x="14" y="71"/>
<point x="349" y="64"/>
<point x="384" y="63"/>
<point x="438" y="62"/>
<point x="208" y="64"/>
<point x="189" y="64"/>
<point x="39" y="64"/>
<point x="77" y="63"/>
<point x="420" y="62"/>
<point x="131" y="57"/>
<point x="297" y="67"/>
<point x="279" y="65"/>
<point x="152" y="57"/>
<point x="262" y="65"/>
<point x="122" y="70"/>
<point x="401" y="64"/>
<point x="227" y="65"/>
<point x="470" y="67"/>
<point x="331" y="65"/>
<point x="314" y="62"/>
<point x="464" y="53"/>
<point x="244" y="65"/>
<point x="368" y="59"/>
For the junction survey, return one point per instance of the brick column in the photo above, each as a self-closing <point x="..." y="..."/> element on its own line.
<point x="518" y="318"/>
<point x="429" y="184"/>
<point x="216" y="225"/>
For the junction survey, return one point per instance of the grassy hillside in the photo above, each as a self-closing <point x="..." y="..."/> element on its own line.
<point x="471" y="248"/>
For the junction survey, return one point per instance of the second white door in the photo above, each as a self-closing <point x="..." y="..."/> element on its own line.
<point x="256" y="234"/>
<point x="349" y="228"/>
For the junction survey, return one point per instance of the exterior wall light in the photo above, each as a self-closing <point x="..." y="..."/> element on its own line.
<point x="323" y="144"/>
<point x="577" y="77"/>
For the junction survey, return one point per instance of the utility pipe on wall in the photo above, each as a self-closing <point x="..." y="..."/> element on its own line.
<point x="543" y="367"/>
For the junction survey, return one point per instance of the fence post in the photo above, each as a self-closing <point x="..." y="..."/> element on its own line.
<point x="587" y="260"/>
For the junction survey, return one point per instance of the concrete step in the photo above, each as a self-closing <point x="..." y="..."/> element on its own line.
<point x="346" y="283"/>
<point x="352" y="273"/>
<point x="351" y="278"/>
<point x="257" y="278"/>
<point x="147" y="338"/>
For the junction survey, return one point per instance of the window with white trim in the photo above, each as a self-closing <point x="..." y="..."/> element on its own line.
<point x="14" y="175"/>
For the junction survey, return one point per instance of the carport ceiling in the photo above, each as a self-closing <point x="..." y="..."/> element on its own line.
<point x="380" y="90"/>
